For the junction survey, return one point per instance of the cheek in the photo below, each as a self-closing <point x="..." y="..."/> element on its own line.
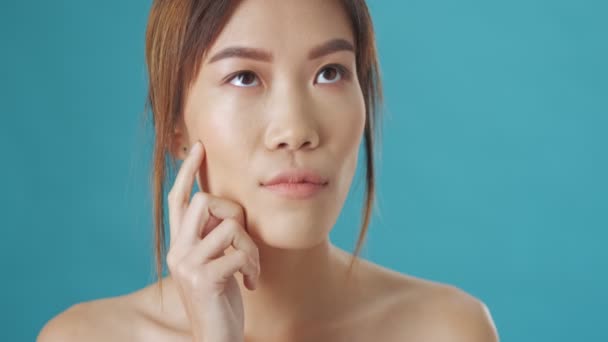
<point x="348" y="123"/>
<point x="228" y="134"/>
<point x="226" y="122"/>
<point x="346" y="133"/>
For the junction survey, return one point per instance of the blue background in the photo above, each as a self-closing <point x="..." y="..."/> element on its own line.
<point x="492" y="175"/>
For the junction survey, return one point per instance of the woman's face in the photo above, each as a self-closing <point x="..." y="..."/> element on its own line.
<point x="285" y="110"/>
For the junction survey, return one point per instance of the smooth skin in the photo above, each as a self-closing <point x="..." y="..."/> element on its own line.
<point x="246" y="264"/>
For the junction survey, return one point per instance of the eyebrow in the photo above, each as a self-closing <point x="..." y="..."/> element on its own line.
<point x="319" y="51"/>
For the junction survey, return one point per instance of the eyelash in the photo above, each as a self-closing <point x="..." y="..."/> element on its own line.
<point x="345" y="73"/>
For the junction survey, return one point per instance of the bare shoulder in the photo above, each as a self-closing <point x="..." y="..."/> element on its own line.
<point x="133" y="317"/>
<point x="425" y="310"/>
<point x="447" y="313"/>
<point x="107" y="319"/>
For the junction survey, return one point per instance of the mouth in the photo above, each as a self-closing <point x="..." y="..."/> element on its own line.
<point x="294" y="176"/>
<point x="296" y="184"/>
<point x="299" y="190"/>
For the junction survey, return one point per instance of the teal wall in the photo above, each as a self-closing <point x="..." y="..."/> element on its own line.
<point x="492" y="175"/>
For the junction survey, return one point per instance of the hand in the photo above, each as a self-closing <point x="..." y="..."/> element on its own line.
<point x="200" y="233"/>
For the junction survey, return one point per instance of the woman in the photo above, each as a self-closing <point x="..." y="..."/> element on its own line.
<point x="266" y="102"/>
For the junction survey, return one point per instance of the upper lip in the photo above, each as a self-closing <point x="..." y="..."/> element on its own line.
<point x="296" y="176"/>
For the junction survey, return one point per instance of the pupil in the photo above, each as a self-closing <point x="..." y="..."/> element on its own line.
<point x="244" y="78"/>
<point x="330" y="73"/>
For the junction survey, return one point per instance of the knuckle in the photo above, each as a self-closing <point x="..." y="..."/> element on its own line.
<point x="233" y="223"/>
<point x="199" y="199"/>
<point x="241" y="257"/>
<point x="170" y="195"/>
<point x="171" y="260"/>
<point x="237" y="212"/>
<point x="171" y="198"/>
<point x="232" y="226"/>
<point x="182" y="270"/>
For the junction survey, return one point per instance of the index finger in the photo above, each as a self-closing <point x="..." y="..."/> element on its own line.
<point x="203" y="215"/>
<point x="179" y="195"/>
<point x="182" y="187"/>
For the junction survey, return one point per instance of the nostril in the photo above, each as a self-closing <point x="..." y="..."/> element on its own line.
<point x="294" y="145"/>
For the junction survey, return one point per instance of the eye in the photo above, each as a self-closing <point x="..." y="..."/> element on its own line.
<point x="333" y="73"/>
<point x="244" y="79"/>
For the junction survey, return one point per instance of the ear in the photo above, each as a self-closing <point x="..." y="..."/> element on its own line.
<point x="180" y="141"/>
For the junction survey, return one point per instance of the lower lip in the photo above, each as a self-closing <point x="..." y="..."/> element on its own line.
<point x="295" y="190"/>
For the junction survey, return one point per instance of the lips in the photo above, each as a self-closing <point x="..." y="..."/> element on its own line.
<point x="296" y="184"/>
<point x="296" y="176"/>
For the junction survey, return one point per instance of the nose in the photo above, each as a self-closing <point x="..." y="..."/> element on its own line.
<point x="292" y="125"/>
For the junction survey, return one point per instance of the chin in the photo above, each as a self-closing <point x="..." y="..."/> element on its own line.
<point x="289" y="230"/>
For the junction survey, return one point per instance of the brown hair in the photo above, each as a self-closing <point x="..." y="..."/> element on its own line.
<point x="178" y="35"/>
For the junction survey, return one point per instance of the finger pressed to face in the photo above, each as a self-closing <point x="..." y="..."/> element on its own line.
<point x="204" y="209"/>
<point x="228" y="233"/>
<point x="179" y="194"/>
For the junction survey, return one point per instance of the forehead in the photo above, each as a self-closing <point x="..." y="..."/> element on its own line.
<point x="284" y="27"/>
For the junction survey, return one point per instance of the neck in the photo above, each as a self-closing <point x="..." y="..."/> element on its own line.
<point x="297" y="289"/>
